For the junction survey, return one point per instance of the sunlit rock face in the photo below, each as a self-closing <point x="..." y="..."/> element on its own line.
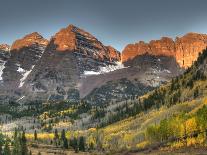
<point x="74" y="65"/>
<point x="185" y="49"/>
<point x="188" y="48"/>
<point x="69" y="54"/>
<point x="24" y="55"/>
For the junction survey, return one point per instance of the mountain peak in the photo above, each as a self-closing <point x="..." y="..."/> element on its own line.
<point x="184" y="49"/>
<point x="65" y="39"/>
<point x="4" y="47"/>
<point x="28" y="40"/>
<point x="33" y="35"/>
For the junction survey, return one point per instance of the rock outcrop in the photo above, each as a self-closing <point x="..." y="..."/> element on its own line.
<point x="70" y="53"/>
<point x="29" y="40"/>
<point x="4" y="47"/>
<point x="184" y="49"/>
<point x="4" y="56"/>
<point x="24" y="55"/>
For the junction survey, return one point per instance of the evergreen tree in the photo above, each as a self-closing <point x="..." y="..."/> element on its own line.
<point x="24" y="150"/>
<point x="56" y="136"/>
<point x="82" y="144"/>
<point x="16" y="143"/>
<point x="65" y="143"/>
<point x="63" y="135"/>
<point x="7" y="150"/>
<point x="35" y="135"/>
<point x="74" y="144"/>
<point x="1" y="142"/>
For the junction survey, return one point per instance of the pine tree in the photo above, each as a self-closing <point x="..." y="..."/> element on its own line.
<point x="56" y="136"/>
<point x="63" y="135"/>
<point x="74" y="144"/>
<point x="82" y="144"/>
<point x="35" y="135"/>
<point x="65" y="143"/>
<point x="1" y="142"/>
<point x="24" y="150"/>
<point x="16" y="143"/>
<point x="7" y="150"/>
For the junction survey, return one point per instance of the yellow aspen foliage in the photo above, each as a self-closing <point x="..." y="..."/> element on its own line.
<point x="191" y="125"/>
<point x="142" y="144"/>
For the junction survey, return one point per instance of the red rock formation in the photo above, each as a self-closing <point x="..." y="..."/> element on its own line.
<point x="65" y="39"/>
<point x="28" y="40"/>
<point x="114" y="54"/>
<point x="184" y="49"/>
<point x="74" y="39"/>
<point x="4" y="47"/>
<point x="188" y="48"/>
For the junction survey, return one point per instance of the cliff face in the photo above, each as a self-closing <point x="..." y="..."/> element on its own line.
<point x="29" y="40"/>
<point x="4" y="56"/>
<point x="188" y="48"/>
<point x="74" y="64"/>
<point x="24" y="55"/>
<point x="185" y="49"/>
<point x="69" y="53"/>
<point x="75" y="39"/>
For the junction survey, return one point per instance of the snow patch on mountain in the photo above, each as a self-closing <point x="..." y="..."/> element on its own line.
<point x="21" y="70"/>
<point x="105" y="69"/>
<point x="20" y="98"/>
<point x="2" y="66"/>
<point x="25" y="75"/>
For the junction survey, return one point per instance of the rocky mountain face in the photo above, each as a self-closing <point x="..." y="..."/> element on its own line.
<point x="142" y="74"/>
<point x="4" y="56"/>
<point x="147" y="65"/>
<point x="184" y="49"/>
<point x="4" y="47"/>
<point x="74" y="65"/>
<point x="69" y="54"/>
<point x="24" y="55"/>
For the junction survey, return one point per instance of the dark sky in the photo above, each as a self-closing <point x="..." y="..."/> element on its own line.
<point x="114" y="22"/>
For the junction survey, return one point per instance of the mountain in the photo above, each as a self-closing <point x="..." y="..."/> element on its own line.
<point x="74" y="65"/>
<point x="69" y="55"/>
<point x="4" y="56"/>
<point x="170" y="118"/>
<point x="184" y="49"/>
<point x="145" y="73"/>
<point x="147" y="66"/>
<point x="4" y="47"/>
<point x="24" y="55"/>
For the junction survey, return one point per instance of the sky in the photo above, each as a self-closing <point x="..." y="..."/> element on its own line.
<point x="113" y="22"/>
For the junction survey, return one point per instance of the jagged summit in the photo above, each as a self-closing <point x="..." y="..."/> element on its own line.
<point x="28" y="40"/>
<point x="184" y="49"/>
<point x="74" y="39"/>
<point x="4" y="47"/>
<point x="66" y="38"/>
<point x="73" y="63"/>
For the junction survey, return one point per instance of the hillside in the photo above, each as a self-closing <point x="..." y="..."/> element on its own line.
<point x="175" y="115"/>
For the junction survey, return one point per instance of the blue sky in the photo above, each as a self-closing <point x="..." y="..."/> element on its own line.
<point x="113" y="22"/>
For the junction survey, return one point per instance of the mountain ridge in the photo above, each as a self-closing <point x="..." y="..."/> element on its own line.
<point x="76" y="56"/>
<point x="185" y="49"/>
